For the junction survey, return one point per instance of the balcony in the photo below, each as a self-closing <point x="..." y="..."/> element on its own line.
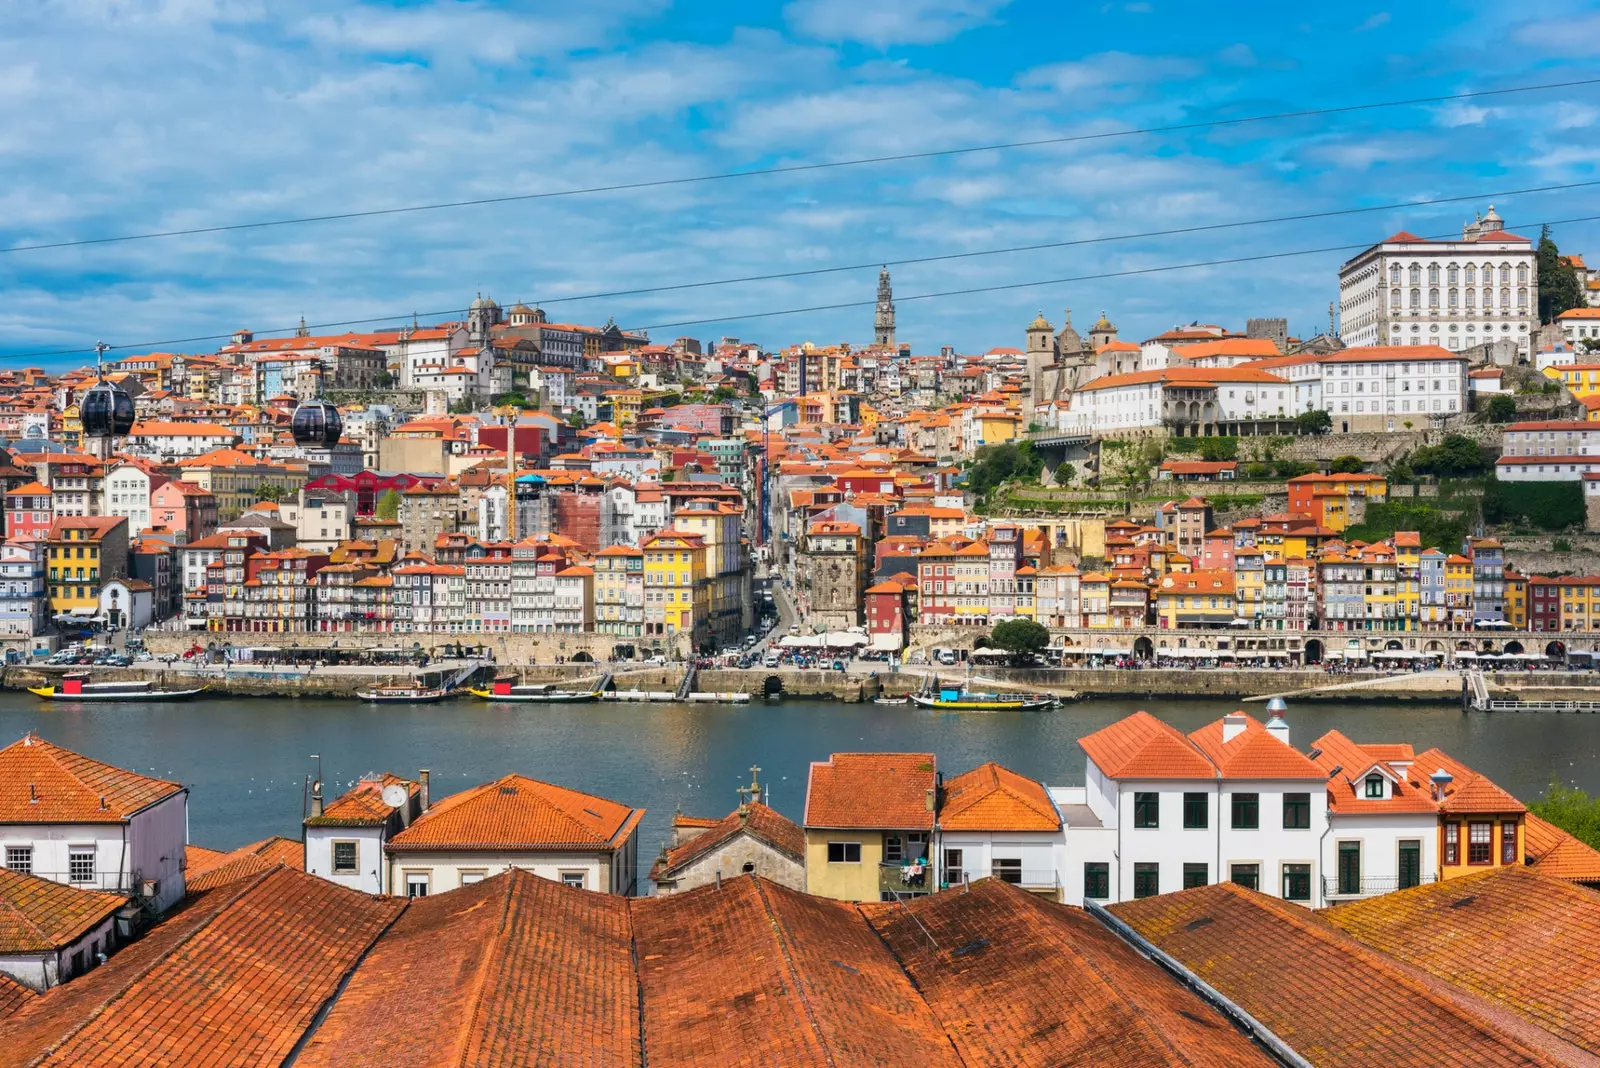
<point x="894" y="878"/>
<point x="1336" y="889"/>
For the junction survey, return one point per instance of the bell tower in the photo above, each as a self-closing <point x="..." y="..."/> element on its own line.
<point x="883" y="320"/>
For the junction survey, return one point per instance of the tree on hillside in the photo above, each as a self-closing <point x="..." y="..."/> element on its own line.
<point x="268" y="492"/>
<point x="383" y="380"/>
<point x="1571" y="809"/>
<point x="1456" y="456"/>
<point x="388" y="506"/>
<point x="1502" y="408"/>
<point x="997" y="464"/>
<point x="1347" y="465"/>
<point x="1316" y="421"/>
<point x="1558" y="282"/>
<point x="1020" y="636"/>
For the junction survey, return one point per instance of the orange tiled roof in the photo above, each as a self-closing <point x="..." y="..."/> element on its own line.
<point x="1143" y="747"/>
<point x="1553" y="852"/>
<point x="757" y="820"/>
<point x="869" y="790"/>
<point x="1524" y="941"/>
<point x="993" y="798"/>
<point x="41" y="782"/>
<point x="13" y="995"/>
<point x="1334" y="1000"/>
<point x="1253" y="753"/>
<point x="363" y="804"/>
<point x="40" y="916"/>
<point x="1346" y="792"/>
<point x="516" y="812"/>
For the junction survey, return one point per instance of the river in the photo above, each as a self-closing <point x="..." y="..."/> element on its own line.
<point x="245" y="760"/>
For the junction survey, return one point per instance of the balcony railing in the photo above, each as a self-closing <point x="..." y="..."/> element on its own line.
<point x="896" y="877"/>
<point x="1333" y="887"/>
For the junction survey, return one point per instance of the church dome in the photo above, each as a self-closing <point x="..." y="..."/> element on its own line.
<point x="1040" y="323"/>
<point x="1102" y="323"/>
<point x="520" y="308"/>
<point x="482" y="303"/>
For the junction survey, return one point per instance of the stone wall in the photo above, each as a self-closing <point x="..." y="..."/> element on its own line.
<point x="508" y="648"/>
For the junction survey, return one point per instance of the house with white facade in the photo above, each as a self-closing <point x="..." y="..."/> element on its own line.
<point x="1384" y="828"/>
<point x="77" y="821"/>
<point x="996" y="823"/>
<point x="345" y="841"/>
<point x="563" y="835"/>
<point x="1410" y="290"/>
<point x="167" y="441"/>
<point x="321" y="521"/>
<point x="1378" y="387"/>
<point x="52" y="932"/>
<point x="1233" y="801"/>
<point x="126" y="491"/>
<point x="22" y="600"/>
<point x="1579" y="325"/>
<point x="1187" y="400"/>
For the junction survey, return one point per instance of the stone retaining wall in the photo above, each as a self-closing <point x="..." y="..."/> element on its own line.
<point x="508" y="648"/>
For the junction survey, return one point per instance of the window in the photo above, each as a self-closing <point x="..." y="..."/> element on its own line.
<point x="416" y="884"/>
<point x="470" y="878"/>
<point x="344" y="858"/>
<point x="1246" y="875"/>
<point x="1480" y="843"/>
<point x="1246" y="812"/>
<point x="20" y="858"/>
<point x="1296" y="812"/>
<point x="1147" y="810"/>
<point x="1297" y="882"/>
<point x="1196" y="875"/>
<point x="1410" y="864"/>
<point x="844" y="852"/>
<point x="893" y="849"/>
<point x="80" y="864"/>
<point x="1508" y="842"/>
<point x="1097" y="880"/>
<point x="574" y="879"/>
<point x="955" y="872"/>
<point x="1007" y="870"/>
<point x="1146" y="880"/>
<point x="1349" y="867"/>
<point x="1194" y="811"/>
<point x="1374" y="785"/>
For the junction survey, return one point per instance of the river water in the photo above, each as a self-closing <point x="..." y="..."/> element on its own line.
<point x="245" y="760"/>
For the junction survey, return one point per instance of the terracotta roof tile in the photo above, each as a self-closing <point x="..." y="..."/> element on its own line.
<point x="1253" y="753"/>
<point x="871" y="790"/>
<point x="1346" y="765"/>
<point x="993" y="798"/>
<point x="363" y="805"/>
<point x="37" y="915"/>
<point x="1527" y="942"/>
<point x="41" y="782"/>
<point x="12" y="995"/>
<point x="516" y="970"/>
<point x="1333" y="1000"/>
<point x="1016" y="980"/>
<point x="516" y="812"/>
<point x="1143" y="747"/>
<point x="757" y="820"/>
<point x="1553" y="852"/>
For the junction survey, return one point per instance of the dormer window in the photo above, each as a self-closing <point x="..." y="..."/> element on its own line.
<point x="1375" y="786"/>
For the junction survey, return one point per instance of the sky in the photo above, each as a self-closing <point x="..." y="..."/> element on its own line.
<point x="130" y="116"/>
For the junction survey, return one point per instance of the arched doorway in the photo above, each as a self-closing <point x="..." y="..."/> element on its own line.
<point x="772" y="689"/>
<point x="582" y="658"/>
<point x="1143" y="649"/>
<point x="1392" y="645"/>
<point x="1313" y="651"/>
<point x="1556" y="650"/>
<point x="1513" y="646"/>
<point x="1433" y="647"/>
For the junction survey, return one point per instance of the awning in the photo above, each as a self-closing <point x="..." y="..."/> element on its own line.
<point x="841" y="639"/>
<point x="1109" y="651"/>
<point x="888" y="643"/>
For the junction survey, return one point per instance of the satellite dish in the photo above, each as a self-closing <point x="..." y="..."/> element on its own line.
<point x="395" y="795"/>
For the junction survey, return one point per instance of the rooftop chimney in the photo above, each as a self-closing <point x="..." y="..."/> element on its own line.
<point x="316" y="798"/>
<point x="422" y="776"/>
<point x="1277" y="726"/>
<point x="1233" y="725"/>
<point x="1441" y="779"/>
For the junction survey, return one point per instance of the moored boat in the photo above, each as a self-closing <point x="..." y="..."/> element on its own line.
<point x="953" y="700"/>
<point x="891" y="700"/>
<point x="405" y="694"/>
<point x="78" y="688"/>
<point x="505" y="688"/>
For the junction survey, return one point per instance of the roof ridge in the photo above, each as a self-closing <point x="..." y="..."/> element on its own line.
<point x="793" y="971"/>
<point x="480" y="975"/>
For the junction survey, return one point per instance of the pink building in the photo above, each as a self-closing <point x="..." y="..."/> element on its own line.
<point x="28" y="511"/>
<point x="185" y="509"/>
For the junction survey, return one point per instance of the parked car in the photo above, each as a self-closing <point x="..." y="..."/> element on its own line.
<point x="658" y="660"/>
<point x="771" y="661"/>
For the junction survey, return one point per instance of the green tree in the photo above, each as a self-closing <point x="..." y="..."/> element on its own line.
<point x="1454" y="457"/>
<point x="722" y="395"/>
<point x="268" y="492"/>
<point x="1020" y="636"/>
<point x="1219" y="450"/>
<point x="1347" y="465"/>
<point x="383" y="380"/>
<point x="997" y="464"/>
<point x="1502" y="408"/>
<point x="1128" y="463"/>
<point x="388" y="506"/>
<point x="1316" y="421"/>
<point x="1571" y="809"/>
<point x="464" y="406"/>
<point x="1548" y="505"/>
<point x="1257" y="471"/>
<point x="1287" y="469"/>
<point x="1558" y="282"/>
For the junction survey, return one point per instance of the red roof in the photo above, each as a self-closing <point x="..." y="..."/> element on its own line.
<point x="1143" y="747"/>
<point x="993" y="798"/>
<point x="516" y="812"/>
<point x="872" y="790"/>
<point x="756" y="820"/>
<point x="39" y="916"/>
<point x="41" y="782"/>
<point x="1254" y="753"/>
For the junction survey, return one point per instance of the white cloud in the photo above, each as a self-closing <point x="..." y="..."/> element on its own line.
<point x="1108" y="74"/>
<point x="886" y="23"/>
<point x="1373" y="21"/>
<point x="1575" y="35"/>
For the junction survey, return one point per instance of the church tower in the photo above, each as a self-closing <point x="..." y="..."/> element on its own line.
<point x="883" y="321"/>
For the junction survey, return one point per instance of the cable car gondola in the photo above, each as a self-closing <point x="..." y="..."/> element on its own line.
<point x="105" y="409"/>
<point x="316" y="423"/>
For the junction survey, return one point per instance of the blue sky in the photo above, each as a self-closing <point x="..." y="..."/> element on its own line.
<point x="121" y="116"/>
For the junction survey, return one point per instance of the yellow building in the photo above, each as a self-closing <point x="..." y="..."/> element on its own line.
<point x="869" y="825"/>
<point x="1408" y="578"/>
<point x="972" y="584"/>
<point x="626" y="404"/>
<point x="1581" y="379"/>
<point x="1249" y="584"/>
<point x="1580" y="603"/>
<point x="1481" y="826"/>
<point x="1195" y="599"/>
<point x="1516" y="599"/>
<point x="675" y="595"/>
<point x="84" y="551"/>
<point x="997" y="428"/>
<point x="718" y="527"/>
<point x="1094" y="589"/>
<point x="235" y="478"/>
<point x="1458" y="591"/>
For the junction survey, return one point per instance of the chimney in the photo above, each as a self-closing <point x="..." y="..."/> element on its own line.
<point x="422" y="776"/>
<point x="931" y="793"/>
<point x="1277" y="726"/>
<point x="316" y="798"/>
<point x="1233" y="725"/>
<point x="1441" y="780"/>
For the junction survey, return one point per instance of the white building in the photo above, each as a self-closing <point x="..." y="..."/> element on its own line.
<point x="1548" y="451"/>
<point x="126" y="491"/>
<point x="1409" y="290"/>
<point x="1187" y="400"/>
<point x="321" y="521"/>
<point x="1384" y="829"/>
<point x="22" y="600"/>
<point x="568" y="837"/>
<point x="994" y="822"/>
<point x="53" y="932"/>
<point x="177" y="441"/>
<point x="77" y="821"/>
<point x="1230" y="802"/>
<point x="127" y="603"/>
<point x="1580" y="325"/>
<point x="1379" y="387"/>
<point x="345" y="841"/>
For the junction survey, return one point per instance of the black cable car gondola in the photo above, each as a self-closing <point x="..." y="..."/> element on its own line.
<point x="316" y="423"/>
<point x="105" y="409"/>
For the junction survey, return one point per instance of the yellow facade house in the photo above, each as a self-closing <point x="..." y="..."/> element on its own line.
<point x="869" y="826"/>
<point x="84" y="552"/>
<point x="675" y="584"/>
<point x="1408" y="568"/>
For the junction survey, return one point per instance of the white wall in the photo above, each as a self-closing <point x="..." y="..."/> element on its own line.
<point x="40" y="971"/>
<point x="1380" y="836"/>
<point x="1272" y="845"/>
<point x="370" y="862"/>
<point x="445" y="869"/>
